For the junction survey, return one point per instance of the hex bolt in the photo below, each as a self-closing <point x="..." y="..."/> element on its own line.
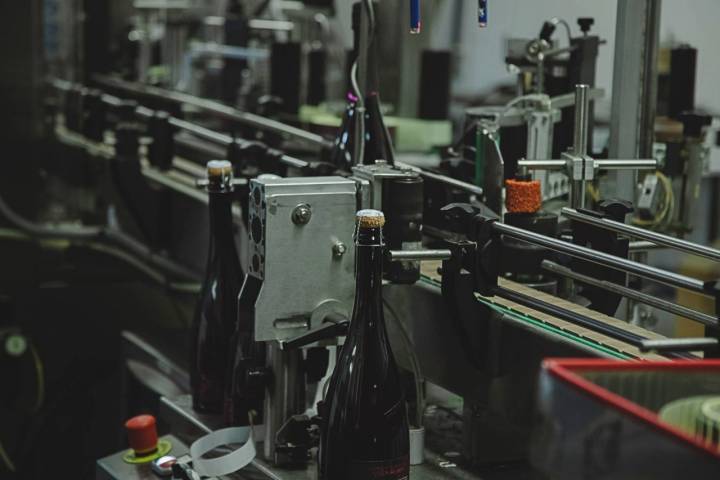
<point x="339" y="249"/>
<point x="301" y="214"/>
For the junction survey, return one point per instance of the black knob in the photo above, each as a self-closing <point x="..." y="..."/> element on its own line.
<point x="585" y="24"/>
<point x="694" y="122"/>
<point x="547" y="31"/>
<point x="616" y="209"/>
<point x="269" y="105"/>
<point x="125" y="111"/>
<point x="94" y="120"/>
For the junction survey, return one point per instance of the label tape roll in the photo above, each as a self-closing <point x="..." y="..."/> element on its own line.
<point x="228" y="463"/>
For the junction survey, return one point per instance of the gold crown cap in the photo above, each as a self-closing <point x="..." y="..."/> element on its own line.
<point x="219" y="168"/>
<point x="370" y="218"/>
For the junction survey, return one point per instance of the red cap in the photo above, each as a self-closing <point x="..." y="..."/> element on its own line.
<point x="142" y="434"/>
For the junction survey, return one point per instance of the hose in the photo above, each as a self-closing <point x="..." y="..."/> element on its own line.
<point x="94" y="236"/>
<point x="414" y="363"/>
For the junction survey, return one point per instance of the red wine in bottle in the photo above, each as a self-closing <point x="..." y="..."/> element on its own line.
<point x="216" y="310"/>
<point x="365" y="433"/>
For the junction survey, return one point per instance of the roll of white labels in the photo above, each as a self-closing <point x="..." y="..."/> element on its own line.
<point x="228" y="463"/>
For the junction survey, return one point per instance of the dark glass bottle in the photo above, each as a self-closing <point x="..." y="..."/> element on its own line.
<point x="342" y="153"/>
<point x="216" y="311"/>
<point x="377" y="141"/>
<point x="247" y="375"/>
<point x="365" y="433"/>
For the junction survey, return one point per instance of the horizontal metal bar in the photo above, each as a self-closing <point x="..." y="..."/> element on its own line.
<point x="419" y="255"/>
<point x="216" y="108"/>
<point x="543" y="164"/>
<point x="459" y="184"/>
<point x="650" y="236"/>
<point x="678" y="344"/>
<point x="294" y="162"/>
<point x="275" y="25"/>
<point x="601" y="258"/>
<point x="635" y="164"/>
<point x="643" y="246"/>
<point x="568" y="99"/>
<point x="202" y="132"/>
<point x="640" y="164"/>
<point x="661" y="304"/>
<point x="570" y="316"/>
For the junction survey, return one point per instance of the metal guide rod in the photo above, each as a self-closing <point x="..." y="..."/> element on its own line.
<point x="576" y="318"/>
<point x="580" y="144"/>
<point x="216" y="108"/>
<point x="665" y="345"/>
<point x="202" y="132"/>
<point x="643" y="234"/>
<point x="582" y="109"/>
<point x="419" y="255"/>
<point x="639" y="164"/>
<point x="543" y="164"/>
<point x="468" y="187"/>
<point x="223" y="139"/>
<point x="671" y="307"/>
<point x="643" y="246"/>
<point x="601" y="258"/>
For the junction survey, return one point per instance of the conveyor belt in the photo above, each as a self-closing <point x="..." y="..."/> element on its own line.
<point x="563" y="328"/>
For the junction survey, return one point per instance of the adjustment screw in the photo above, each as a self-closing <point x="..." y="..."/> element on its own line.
<point x="301" y="214"/>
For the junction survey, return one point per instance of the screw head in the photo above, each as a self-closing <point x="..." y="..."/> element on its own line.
<point x="301" y="214"/>
<point x="339" y="249"/>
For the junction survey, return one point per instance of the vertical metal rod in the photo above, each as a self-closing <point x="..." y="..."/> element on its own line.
<point x="634" y="86"/>
<point x="582" y="107"/>
<point x="580" y="142"/>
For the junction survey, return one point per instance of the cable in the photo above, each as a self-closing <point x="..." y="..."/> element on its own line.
<point x="6" y="459"/>
<point x="535" y="97"/>
<point x="97" y="234"/>
<point x="564" y="23"/>
<point x="39" y="378"/>
<point x="360" y="122"/>
<point x="45" y="231"/>
<point x="360" y="102"/>
<point x="414" y="363"/>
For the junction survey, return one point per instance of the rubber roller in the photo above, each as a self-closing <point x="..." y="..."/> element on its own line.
<point x="523" y="196"/>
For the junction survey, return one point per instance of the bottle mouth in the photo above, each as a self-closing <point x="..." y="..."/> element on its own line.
<point x="220" y="176"/>
<point x="370" y="219"/>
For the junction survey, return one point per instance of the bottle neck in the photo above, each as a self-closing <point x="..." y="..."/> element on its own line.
<point x="221" y="222"/>
<point x="368" y="273"/>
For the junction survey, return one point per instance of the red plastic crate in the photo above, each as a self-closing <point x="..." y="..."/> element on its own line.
<point x="598" y="419"/>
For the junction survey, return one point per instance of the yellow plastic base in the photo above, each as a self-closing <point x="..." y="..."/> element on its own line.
<point x="164" y="448"/>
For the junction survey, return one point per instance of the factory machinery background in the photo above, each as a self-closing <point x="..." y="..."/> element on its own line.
<point x="550" y="182"/>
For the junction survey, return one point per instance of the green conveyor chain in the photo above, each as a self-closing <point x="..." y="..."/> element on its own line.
<point x="503" y="310"/>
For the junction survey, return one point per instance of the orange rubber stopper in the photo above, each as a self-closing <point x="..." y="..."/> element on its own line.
<point x="523" y="196"/>
<point x="142" y="434"/>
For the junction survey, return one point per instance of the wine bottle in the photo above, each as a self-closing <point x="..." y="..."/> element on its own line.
<point x="247" y="375"/>
<point x="342" y="153"/>
<point x="365" y="433"/>
<point x="377" y="141"/>
<point x="216" y="311"/>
